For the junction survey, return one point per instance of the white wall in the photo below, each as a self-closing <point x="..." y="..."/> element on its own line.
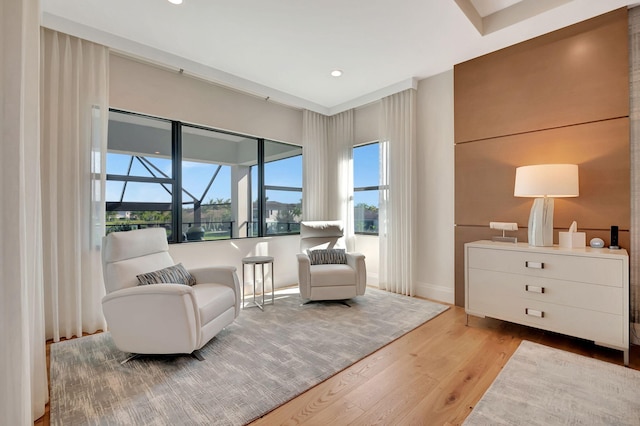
<point x="434" y="271"/>
<point x="143" y="88"/>
<point x="230" y="252"/>
<point x="369" y="246"/>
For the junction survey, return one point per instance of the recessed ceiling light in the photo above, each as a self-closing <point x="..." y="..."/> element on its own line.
<point x="336" y="73"/>
<point x="175" y="1"/>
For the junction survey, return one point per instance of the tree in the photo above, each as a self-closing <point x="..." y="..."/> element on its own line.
<point x="218" y="210"/>
<point x="285" y="216"/>
<point x="367" y="207"/>
<point x="111" y="216"/>
<point x="297" y="210"/>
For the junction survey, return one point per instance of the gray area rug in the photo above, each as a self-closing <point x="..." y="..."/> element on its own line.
<point x="256" y="364"/>
<point x="540" y="385"/>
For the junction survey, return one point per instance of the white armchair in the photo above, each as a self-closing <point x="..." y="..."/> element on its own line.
<point x="162" y="318"/>
<point x="328" y="281"/>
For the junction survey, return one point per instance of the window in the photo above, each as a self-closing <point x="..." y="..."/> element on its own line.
<point x="215" y="178"/>
<point x="283" y="188"/>
<point x="219" y="175"/>
<point x="281" y="199"/>
<point x="366" y="186"/>
<point x="140" y="180"/>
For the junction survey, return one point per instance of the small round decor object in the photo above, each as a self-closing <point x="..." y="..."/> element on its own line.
<point x="596" y="243"/>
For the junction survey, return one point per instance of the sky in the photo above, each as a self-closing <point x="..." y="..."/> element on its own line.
<point x="366" y="172"/>
<point x="196" y="177"/>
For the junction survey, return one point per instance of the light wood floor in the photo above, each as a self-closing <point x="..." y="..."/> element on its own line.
<point x="433" y="375"/>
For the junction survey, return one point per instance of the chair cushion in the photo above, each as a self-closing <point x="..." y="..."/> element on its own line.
<point x="176" y="274"/>
<point x="332" y="275"/>
<point x="328" y="256"/>
<point x="213" y="300"/>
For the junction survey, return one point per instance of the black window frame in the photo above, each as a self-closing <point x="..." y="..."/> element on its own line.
<point x="367" y="188"/>
<point x="176" y="179"/>
<point x="291" y="230"/>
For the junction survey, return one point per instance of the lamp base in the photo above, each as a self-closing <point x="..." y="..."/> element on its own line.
<point x="541" y="222"/>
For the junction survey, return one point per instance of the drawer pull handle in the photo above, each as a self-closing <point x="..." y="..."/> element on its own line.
<point x="534" y="265"/>
<point x="534" y="313"/>
<point x="533" y="289"/>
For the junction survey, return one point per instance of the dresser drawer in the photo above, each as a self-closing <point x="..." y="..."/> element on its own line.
<point x="504" y="286"/>
<point x="593" y="270"/>
<point x="601" y="327"/>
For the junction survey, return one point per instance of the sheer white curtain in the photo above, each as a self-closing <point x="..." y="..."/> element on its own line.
<point x="315" y="154"/>
<point x="23" y="375"/>
<point x="328" y="168"/>
<point x="74" y="124"/>
<point x="340" y="168"/>
<point x="397" y="211"/>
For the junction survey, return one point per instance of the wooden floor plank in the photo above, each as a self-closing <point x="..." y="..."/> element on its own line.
<point x="384" y="403"/>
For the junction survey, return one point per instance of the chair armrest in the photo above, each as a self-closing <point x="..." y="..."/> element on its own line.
<point x="225" y="275"/>
<point x="156" y="318"/>
<point x="304" y="275"/>
<point x="353" y="258"/>
<point x="356" y="261"/>
<point x="216" y="274"/>
<point x="168" y="289"/>
<point x="303" y="259"/>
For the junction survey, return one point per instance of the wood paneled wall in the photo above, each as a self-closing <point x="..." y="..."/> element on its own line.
<point x="560" y="98"/>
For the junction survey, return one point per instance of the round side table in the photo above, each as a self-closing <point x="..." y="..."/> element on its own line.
<point x="253" y="261"/>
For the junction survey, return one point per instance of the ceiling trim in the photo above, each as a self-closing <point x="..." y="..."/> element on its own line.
<point x="508" y="16"/>
<point x="409" y="83"/>
<point x="472" y="14"/>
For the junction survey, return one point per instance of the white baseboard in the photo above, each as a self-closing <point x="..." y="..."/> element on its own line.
<point x="372" y="279"/>
<point x="430" y="291"/>
<point x="435" y="292"/>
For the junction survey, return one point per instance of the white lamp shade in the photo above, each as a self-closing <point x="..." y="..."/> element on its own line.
<point x="547" y="180"/>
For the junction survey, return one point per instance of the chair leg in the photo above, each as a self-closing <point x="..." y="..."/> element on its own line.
<point x="342" y="302"/>
<point x="196" y="354"/>
<point x="129" y="358"/>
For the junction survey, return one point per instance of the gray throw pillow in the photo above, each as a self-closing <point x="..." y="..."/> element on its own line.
<point x="176" y="274"/>
<point x="327" y="257"/>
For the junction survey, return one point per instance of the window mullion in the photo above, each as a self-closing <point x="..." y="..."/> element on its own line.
<point x="262" y="214"/>
<point x="176" y="161"/>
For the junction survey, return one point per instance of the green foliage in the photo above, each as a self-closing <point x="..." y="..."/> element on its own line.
<point x="367" y="207"/>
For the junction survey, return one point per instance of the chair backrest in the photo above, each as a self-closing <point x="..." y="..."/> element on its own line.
<point x="130" y="253"/>
<point x="324" y="234"/>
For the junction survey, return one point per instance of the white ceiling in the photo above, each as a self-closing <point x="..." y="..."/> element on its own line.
<point x="285" y="49"/>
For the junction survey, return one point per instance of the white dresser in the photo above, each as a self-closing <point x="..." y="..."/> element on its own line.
<point x="578" y="292"/>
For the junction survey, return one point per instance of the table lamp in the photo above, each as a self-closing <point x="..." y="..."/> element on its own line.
<point x="545" y="182"/>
